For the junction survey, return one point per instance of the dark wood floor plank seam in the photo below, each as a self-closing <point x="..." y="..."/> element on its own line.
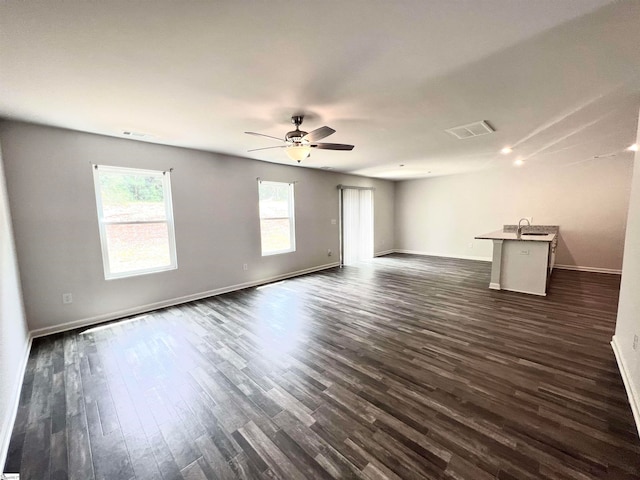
<point x="402" y="367"/>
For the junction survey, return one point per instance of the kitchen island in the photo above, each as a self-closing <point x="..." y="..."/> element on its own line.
<point x="523" y="259"/>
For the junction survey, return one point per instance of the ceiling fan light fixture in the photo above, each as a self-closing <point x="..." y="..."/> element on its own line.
<point x="298" y="143"/>
<point x="298" y="152"/>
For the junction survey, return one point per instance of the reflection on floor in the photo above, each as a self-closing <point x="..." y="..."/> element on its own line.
<point x="404" y="367"/>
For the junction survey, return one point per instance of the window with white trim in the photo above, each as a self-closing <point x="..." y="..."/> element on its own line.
<point x="135" y="218"/>
<point x="277" y="225"/>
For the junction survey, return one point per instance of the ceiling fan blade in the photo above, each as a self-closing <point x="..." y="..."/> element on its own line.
<point x="319" y="134"/>
<point x="263" y="135"/>
<point x="267" y="148"/>
<point x="332" y="146"/>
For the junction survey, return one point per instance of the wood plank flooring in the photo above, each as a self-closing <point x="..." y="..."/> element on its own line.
<point x="405" y="367"/>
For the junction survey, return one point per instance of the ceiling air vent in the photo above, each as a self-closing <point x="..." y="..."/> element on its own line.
<point x="471" y="130"/>
<point x="129" y="133"/>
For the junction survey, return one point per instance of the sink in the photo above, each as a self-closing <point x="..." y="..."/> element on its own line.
<point x="535" y="233"/>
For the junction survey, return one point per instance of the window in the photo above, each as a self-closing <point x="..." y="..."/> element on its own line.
<point x="135" y="219"/>
<point x="277" y="228"/>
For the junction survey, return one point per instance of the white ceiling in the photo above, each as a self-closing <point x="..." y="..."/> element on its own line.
<point x="559" y="80"/>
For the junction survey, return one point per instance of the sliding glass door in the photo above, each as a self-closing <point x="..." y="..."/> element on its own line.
<point x="356" y="224"/>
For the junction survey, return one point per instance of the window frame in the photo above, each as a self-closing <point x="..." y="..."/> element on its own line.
<point x="291" y="218"/>
<point x="102" y="223"/>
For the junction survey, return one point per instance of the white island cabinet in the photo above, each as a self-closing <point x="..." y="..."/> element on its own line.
<point x="523" y="262"/>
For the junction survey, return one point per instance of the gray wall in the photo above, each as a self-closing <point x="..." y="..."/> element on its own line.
<point x="589" y="201"/>
<point x="628" y="323"/>
<point x="14" y="336"/>
<point x="215" y="200"/>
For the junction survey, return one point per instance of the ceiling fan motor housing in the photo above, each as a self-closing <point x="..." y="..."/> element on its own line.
<point x="295" y="136"/>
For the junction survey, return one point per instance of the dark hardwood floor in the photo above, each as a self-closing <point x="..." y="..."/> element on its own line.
<point x="407" y="367"/>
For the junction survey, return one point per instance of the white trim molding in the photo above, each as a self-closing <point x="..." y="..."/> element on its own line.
<point x="85" y="322"/>
<point x="443" y="255"/>
<point x="632" y="394"/>
<point x="10" y="419"/>
<point x="612" y="271"/>
<point x="578" y="268"/>
<point x="384" y="252"/>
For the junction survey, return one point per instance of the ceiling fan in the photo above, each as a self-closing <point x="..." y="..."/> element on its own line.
<point x="299" y="143"/>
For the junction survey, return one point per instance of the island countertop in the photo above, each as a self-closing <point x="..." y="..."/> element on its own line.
<point x="502" y="235"/>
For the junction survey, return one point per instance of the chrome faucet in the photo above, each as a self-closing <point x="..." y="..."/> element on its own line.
<point x="520" y="225"/>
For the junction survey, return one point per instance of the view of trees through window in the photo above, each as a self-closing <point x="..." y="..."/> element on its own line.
<point x="276" y="217"/>
<point x="135" y="224"/>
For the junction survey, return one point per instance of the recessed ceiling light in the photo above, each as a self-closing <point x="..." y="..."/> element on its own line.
<point x="506" y="150"/>
<point x="519" y="162"/>
<point x="633" y="148"/>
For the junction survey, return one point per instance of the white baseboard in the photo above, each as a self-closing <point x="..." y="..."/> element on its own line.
<point x="523" y="291"/>
<point x="384" y="252"/>
<point x="85" y="322"/>
<point x="494" y="286"/>
<point x="12" y="412"/>
<point x="444" y="255"/>
<point x="634" y="397"/>
<point x="578" y="268"/>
